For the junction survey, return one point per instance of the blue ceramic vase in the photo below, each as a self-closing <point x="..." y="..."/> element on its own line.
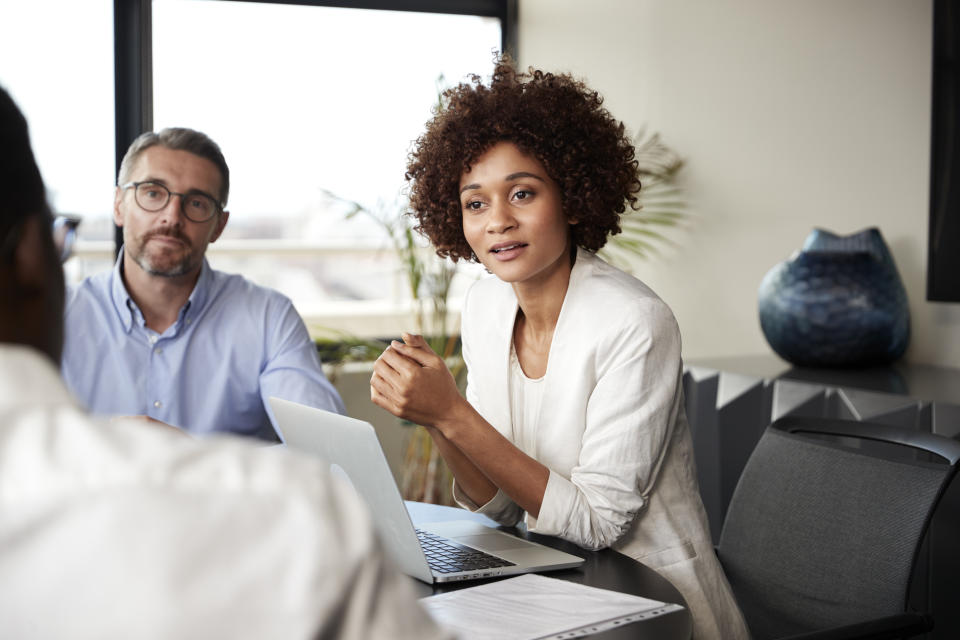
<point x="838" y="302"/>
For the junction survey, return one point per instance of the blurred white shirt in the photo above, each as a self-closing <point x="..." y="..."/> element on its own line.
<point x="129" y="530"/>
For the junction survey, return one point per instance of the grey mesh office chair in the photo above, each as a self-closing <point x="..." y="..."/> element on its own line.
<point x="822" y="534"/>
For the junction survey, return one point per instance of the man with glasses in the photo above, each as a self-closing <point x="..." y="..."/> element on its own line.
<point x="166" y="337"/>
<point x="116" y="530"/>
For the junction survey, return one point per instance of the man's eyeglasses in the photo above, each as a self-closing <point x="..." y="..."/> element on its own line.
<point x="153" y="196"/>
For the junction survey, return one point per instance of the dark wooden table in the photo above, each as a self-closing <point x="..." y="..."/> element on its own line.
<point x="605" y="569"/>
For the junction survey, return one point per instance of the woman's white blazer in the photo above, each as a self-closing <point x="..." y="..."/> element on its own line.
<point x="612" y="430"/>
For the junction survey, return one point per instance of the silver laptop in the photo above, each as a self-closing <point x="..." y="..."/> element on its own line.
<point x="457" y="550"/>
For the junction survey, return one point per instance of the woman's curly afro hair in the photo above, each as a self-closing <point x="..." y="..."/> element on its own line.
<point x="552" y="117"/>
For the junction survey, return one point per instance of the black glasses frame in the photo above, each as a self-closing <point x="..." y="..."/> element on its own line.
<point x="217" y="205"/>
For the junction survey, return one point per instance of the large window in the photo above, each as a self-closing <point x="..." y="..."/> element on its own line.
<point x="313" y="106"/>
<point x="56" y="60"/>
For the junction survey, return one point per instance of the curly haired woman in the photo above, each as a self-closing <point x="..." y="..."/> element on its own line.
<point x="574" y="416"/>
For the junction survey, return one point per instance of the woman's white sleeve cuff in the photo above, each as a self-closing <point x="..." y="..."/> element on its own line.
<point x="500" y="508"/>
<point x="558" y="503"/>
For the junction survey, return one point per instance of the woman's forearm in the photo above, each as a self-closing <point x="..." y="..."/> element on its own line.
<point x="410" y="381"/>
<point x="470" y="480"/>
<point x="488" y="461"/>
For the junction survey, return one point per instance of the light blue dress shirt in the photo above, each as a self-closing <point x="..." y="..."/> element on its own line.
<point x="234" y="345"/>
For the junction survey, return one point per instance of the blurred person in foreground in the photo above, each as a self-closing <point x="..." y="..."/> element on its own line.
<point x="163" y="335"/>
<point x="126" y="530"/>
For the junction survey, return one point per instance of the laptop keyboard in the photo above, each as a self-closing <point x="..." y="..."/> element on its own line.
<point x="446" y="556"/>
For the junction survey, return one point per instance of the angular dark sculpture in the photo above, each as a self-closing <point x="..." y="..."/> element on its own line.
<point x="839" y="302"/>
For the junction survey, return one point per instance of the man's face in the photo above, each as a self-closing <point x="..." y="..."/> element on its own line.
<point x="166" y="243"/>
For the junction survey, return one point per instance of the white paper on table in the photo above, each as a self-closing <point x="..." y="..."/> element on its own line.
<point x="535" y="607"/>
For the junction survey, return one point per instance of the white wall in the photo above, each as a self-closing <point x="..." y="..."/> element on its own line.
<point x="790" y="114"/>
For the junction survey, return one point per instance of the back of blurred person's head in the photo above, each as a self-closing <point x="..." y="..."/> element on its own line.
<point x="31" y="280"/>
<point x="20" y="181"/>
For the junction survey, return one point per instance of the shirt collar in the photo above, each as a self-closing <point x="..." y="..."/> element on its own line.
<point x="201" y="291"/>
<point x="122" y="302"/>
<point x="126" y="308"/>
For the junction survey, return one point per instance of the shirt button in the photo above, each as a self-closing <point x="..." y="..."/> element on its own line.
<point x="158" y="350"/>
<point x="189" y="320"/>
<point x="153" y="339"/>
<point x="158" y="404"/>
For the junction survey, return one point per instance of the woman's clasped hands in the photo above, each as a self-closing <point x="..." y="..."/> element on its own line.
<point x="412" y="382"/>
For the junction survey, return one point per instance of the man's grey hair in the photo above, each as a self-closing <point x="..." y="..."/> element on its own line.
<point x="178" y="139"/>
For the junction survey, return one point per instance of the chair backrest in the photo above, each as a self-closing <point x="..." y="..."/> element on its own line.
<point x="821" y="532"/>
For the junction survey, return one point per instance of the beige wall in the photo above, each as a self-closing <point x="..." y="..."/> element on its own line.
<point x="790" y="114"/>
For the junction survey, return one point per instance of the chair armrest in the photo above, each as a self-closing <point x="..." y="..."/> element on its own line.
<point x="903" y="625"/>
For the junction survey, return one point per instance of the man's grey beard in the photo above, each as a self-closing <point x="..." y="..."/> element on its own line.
<point x="186" y="264"/>
<point x="174" y="271"/>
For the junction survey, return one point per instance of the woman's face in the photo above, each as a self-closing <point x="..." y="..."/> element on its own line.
<point x="513" y="218"/>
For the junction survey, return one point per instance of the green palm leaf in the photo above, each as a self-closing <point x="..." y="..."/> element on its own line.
<point x="661" y="205"/>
